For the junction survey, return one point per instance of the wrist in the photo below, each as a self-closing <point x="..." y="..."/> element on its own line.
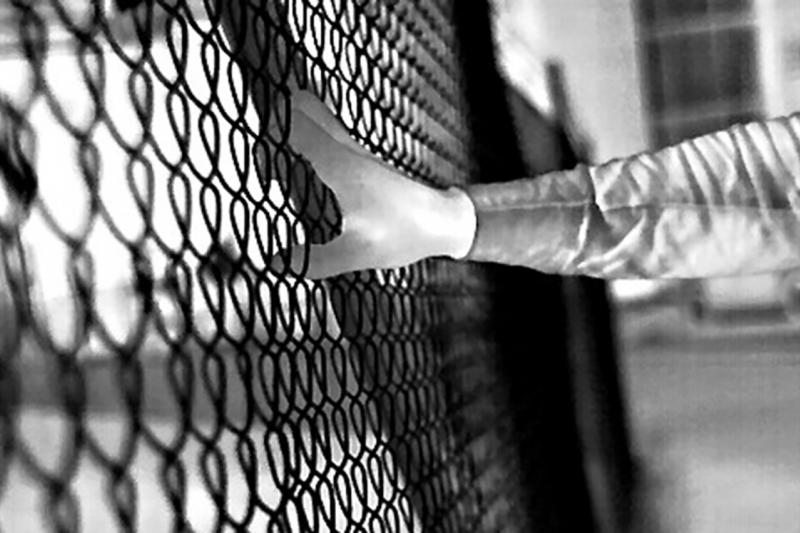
<point x="459" y="222"/>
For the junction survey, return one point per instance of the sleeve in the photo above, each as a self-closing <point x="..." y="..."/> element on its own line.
<point x="726" y="203"/>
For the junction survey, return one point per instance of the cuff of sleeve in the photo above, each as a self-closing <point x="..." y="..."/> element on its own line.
<point x="532" y="222"/>
<point x="489" y="229"/>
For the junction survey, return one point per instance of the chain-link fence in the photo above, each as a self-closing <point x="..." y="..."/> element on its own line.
<point x="158" y="372"/>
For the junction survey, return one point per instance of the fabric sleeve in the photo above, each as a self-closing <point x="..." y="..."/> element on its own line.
<point x="727" y="203"/>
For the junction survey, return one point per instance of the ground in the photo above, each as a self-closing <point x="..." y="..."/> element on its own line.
<point x="716" y="413"/>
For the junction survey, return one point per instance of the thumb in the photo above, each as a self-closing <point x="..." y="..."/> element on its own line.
<point x="341" y="255"/>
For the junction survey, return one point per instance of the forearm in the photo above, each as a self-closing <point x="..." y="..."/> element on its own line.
<point x="722" y="204"/>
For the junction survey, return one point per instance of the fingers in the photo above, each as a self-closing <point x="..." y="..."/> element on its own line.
<point x="315" y="135"/>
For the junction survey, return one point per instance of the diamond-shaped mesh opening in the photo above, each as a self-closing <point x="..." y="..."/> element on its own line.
<point x="156" y="372"/>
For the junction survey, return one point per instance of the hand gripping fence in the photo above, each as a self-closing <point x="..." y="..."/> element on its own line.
<point x="158" y="374"/>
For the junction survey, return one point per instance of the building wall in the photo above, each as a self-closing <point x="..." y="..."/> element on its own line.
<point x="780" y="53"/>
<point x="597" y="44"/>
<point x="595" y="41"/>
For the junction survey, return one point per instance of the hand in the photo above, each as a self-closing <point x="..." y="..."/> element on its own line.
<point x="388" y="220"/>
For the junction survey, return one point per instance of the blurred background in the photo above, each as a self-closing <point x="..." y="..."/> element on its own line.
<point x="710" y="367"/>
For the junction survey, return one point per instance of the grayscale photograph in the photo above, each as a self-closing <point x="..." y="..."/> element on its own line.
<point x="400" y="266"/>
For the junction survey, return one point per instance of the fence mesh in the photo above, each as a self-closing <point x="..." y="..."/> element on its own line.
<point x="157" y="372"/>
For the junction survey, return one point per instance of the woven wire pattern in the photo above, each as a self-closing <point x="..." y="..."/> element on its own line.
<point x="157" y="372"/>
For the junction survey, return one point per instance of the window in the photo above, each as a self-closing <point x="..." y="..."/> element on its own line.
<point x="658" y="13"/>
<point x="700" y="70"/>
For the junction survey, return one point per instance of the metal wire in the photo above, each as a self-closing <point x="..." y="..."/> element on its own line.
<point x="156" y="372"/>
